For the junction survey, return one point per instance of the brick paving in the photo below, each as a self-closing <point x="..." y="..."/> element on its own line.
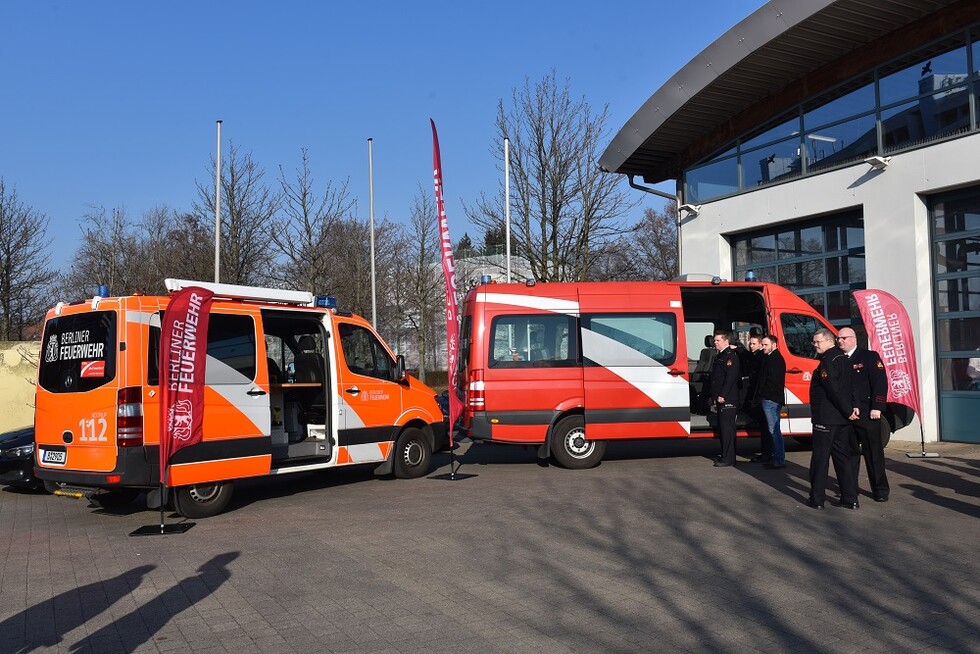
<point x="654" y="550"/>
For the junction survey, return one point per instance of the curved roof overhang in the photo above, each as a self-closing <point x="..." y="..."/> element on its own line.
<point x="784" y="52"/>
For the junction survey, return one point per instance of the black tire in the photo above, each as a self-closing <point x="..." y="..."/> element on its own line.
<point x="116" y="499"/>
<point x="571" y="448"/>
<point x="202" y="500"/>
<point x="413" y="454"/>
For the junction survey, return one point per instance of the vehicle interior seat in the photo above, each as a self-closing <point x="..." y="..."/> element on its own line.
<point x="308" y="362"/>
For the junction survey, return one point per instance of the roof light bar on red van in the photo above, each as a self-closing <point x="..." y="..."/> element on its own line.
<point x="129" y="417"/>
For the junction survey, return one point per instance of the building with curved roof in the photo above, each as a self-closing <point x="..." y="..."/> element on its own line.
<point x="831" y="146"/>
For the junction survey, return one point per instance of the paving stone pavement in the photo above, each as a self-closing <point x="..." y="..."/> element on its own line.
<point x="653" y="551"/>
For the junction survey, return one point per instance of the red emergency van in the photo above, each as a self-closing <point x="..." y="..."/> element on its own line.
<point x="290" y="386"/>
<point x="570" y="366"/>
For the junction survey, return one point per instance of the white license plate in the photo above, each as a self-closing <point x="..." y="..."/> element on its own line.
<point x="54" y="456"/>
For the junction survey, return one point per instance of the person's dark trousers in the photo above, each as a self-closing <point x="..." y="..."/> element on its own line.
<point x="726" y="431"/>
<point x="834" y="442"/>
<point x="766" y="445"/>
<point x="868" y="434"/>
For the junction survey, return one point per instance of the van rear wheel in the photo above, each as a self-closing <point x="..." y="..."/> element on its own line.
<point x="202" y="500"/>
<point x="413" y="454"/>
<point x="571" y="448"/>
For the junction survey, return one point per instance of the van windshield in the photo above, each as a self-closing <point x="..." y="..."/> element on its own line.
<point x="78" y="352"/>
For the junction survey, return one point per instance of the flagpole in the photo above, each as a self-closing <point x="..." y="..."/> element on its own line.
<point x="217" y="211"/>
<point x="374" y="295"/>
<point x="507" y="201"/>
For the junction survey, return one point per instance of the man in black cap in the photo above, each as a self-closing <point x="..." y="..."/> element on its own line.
<point x="832" y="411"/>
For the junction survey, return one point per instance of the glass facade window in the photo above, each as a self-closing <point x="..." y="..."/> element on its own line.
<point x="956" y="278"/>
<point x="854" y="140"/>
<point x="773" y="163"/>
<point x="926" y="72"/>
<point x="820" y="260"/>
<point x="921" y="97"/>
<point x="712" y="180"/>
<point x="827" y="110"/>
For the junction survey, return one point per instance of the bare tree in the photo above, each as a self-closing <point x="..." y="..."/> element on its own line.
<point x="655" y="243"/>
<point x="248" y="207"/>
<point x="564" y="210"/>
<point x="25" y="275"/>
<point x="309" y="226"/>
<point x="425" y="288"/>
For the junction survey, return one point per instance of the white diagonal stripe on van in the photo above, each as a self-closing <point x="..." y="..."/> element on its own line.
<point x="233" y="386"/>
<point x="552" y="304"/>
<point x="647" y="375"/>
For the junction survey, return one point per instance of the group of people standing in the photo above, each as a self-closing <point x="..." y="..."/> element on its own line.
<point x="848" y="392"/>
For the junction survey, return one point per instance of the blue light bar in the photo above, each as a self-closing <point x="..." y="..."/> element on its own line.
<point x="326" y="302"/>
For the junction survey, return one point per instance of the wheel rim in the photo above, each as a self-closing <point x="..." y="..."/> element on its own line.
<point x="413" y="454"/>
<point x="204" y="494"/>
<point x="577" y="445"/>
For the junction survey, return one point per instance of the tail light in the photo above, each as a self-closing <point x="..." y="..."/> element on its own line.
<point x="129" y="417"/>
<point x="476" y="399"/>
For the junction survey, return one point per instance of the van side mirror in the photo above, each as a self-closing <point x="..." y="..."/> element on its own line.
<point x="400" y="368"/>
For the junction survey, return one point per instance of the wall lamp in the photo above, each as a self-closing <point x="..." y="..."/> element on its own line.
<point x="878" y="163"/>
<point x="693" y="209"/>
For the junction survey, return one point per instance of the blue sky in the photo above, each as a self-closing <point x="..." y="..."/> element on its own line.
<point x="114" y="103"/>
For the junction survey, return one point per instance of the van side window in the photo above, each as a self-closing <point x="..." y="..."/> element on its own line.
<point x="629" y="339"/>
<point x="798" y="334"/>
<point x="231" y="340"/>
<point x="363" y="352"/>
<point x="533" y="341"/>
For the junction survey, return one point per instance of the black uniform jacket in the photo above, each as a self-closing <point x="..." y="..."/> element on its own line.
<point x="725" y="376"/>
<point x="831" y="389"/>
<point x="870" y="381"/>
<point x="772" y="378"/>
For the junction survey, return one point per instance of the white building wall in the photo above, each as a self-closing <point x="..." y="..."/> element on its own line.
<point x="896" y="234"/>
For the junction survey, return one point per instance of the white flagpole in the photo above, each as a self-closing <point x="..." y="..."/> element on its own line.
<point x="507" y="201"/>
<point x="374" y="295"/>
<point x="217" y="211"/>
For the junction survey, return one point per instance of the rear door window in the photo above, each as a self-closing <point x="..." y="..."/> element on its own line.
<point x="78" y="352"/>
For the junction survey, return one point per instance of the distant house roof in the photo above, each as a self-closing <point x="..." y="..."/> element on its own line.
<point x="784" y="52"/>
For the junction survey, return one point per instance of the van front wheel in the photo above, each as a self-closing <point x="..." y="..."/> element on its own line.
<point x="413" y="454"/>
<point x="571" y="448"/>
<point x="202" y="500"/>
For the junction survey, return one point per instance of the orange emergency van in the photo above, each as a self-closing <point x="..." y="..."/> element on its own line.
<point x="570" y="366"/>
<point x="291" y="385"/>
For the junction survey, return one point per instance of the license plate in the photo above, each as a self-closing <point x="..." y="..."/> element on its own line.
<point x="55" y="457"/>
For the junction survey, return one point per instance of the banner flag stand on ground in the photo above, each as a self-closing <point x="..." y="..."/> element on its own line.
<point x="890" y="335"/>
<point x="452" y="308"/>
<point x="183" y="352"/>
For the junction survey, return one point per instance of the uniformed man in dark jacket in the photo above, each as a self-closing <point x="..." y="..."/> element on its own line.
<point x="832" y="411"/>
<point x="724" y="385"/>
<point x="870" y="396"/>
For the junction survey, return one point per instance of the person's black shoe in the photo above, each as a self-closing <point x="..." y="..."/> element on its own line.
<point x="723" y="464"/>
<point x="759" y="458"/>
<point x="773" y="466"/>
<point x="813" y="505"/>
<point x="880" y="499"/>
<point x="847" y="505"/>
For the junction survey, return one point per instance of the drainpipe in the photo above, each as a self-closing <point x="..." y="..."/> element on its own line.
<point x="677" y="208"/>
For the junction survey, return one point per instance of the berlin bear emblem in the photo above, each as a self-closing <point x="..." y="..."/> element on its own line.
<point x="182" y="419"/>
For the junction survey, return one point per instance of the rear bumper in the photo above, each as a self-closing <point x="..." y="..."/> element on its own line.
<point x="136" y="467"/>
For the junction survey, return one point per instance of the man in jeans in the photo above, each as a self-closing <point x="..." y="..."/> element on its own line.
<point x="771" y="395"/>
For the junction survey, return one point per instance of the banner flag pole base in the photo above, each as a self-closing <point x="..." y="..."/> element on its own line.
<point x="163" y="530"/>
<point x="923" y="454"/>
<point x="452" y="475"/>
